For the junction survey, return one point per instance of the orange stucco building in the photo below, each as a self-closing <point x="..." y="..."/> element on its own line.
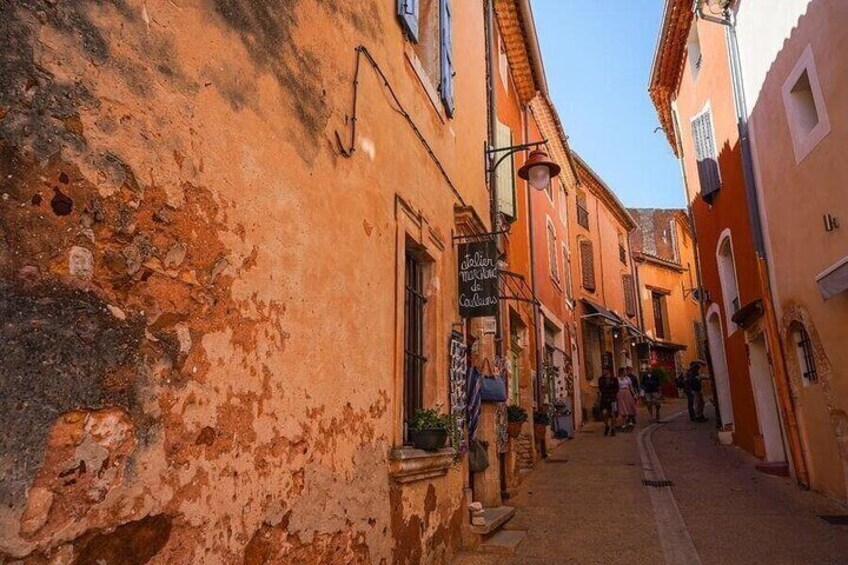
<point x="691" y="86"/>
<point x="667" y="288"/>
<point x="193" y="195"/>
<point x="602" y="275"/>
<point x="792" y="62"/>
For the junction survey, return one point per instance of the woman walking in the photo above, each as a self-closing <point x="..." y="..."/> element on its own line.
<point x="626" y="400"/>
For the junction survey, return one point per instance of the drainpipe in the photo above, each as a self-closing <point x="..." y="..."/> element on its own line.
<point x="777" y="359"/>
<point x="492" y="120"/>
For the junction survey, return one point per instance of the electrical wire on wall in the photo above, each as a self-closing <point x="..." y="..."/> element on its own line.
<point x="347" y="150"/>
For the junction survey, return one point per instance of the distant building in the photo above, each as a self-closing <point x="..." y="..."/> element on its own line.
<point x="667" y="281"/>
<point x="601" y="268"/>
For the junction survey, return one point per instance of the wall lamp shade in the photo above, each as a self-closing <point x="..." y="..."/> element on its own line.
<point x="538" y="169"/>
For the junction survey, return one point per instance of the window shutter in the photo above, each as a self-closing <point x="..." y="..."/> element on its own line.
<point x="505" y="174"/>
<point x="552" y="252"/>
<point x="446" y="50"/>
<point x="708" y="173"/>
<point x="408" y="14"/>
<point x="629" y="295"/>
<point x="587" y="265"/>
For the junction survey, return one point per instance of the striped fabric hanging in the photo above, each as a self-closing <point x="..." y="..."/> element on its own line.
<point x="475" y="383"/>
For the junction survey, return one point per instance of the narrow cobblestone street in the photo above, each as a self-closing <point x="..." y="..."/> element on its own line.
<point x="587" y="504"/>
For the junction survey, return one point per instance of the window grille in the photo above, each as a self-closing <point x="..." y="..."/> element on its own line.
<point x="807" y="359"/>
<point x="413" y="349"/>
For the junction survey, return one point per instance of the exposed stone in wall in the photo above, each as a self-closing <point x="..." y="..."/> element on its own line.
<point x="525" y="454"/>
<point x="147" y="413"/>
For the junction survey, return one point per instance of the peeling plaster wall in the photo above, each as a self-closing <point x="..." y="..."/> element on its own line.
<point x="196" y="290"/>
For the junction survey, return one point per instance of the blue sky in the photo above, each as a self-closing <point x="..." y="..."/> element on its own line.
<point x="597" y="56"/>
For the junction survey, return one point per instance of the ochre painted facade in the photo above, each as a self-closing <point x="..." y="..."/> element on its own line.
<point x="180" y="231"/>
<point x="800" y="179"/>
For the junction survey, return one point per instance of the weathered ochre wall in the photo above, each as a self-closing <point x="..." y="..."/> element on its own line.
<point x="198" y="293"/>
<point x="795" y="194"/>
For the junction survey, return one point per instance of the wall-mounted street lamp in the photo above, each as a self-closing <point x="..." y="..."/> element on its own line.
<point x="538" y="169"/>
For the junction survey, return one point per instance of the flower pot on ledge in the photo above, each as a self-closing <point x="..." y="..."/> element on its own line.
<point x="513" y="429"/>
<point x="428" y="439"/>
<point x="540" y="430"/>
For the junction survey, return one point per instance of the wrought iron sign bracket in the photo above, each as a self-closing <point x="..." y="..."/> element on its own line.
<point x="492" y="152"/>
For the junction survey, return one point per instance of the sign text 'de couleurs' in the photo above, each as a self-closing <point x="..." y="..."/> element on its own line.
<point x="478" y="279"/>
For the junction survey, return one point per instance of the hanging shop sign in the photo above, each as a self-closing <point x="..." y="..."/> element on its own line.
<point x="478" y="279"/>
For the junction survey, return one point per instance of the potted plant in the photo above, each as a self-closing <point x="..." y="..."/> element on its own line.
<point x="428" y="429"/>
<point x="541" y="420"/>
<point x="515" y="418"/>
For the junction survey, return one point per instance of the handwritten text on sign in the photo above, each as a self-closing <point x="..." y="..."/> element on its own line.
<point x="478" y="279"/>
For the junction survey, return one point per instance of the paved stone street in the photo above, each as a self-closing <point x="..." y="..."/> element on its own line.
<point x="587" y="504"/>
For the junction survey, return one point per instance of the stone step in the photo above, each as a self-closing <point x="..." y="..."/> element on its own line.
<point x="495" y="518"/>
<point x="777" y="468"/>
<point x="503" y="542"/>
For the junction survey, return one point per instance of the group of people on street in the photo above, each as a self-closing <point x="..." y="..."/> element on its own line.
<point x="618" y="395"/>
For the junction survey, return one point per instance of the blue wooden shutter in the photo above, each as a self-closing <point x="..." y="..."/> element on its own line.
<point x="408" y="14"/>
<point x="447" y="72"/>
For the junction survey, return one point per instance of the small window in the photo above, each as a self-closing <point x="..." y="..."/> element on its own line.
<point x="563" y="204"/>
<point x="414" y="338"/>
<point x="805" y="107"/>
<point x="622" y="249"/>
<point x="582" y="210"/>
<point x="587" y="265"/>
<point x="693" y="48"/>
<point x="428" y="25"/>
<point x="806" y="359"/>
<point x="629" y="295"/>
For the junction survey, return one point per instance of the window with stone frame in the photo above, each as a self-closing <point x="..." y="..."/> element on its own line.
<point x="428" y="25"/>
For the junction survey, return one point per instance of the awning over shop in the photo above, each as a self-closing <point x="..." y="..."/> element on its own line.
<point x="664" y="344"/>
<point x="599" y="313"/>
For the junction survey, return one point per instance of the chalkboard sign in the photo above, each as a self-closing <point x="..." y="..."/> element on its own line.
<point x="478" y="279"/>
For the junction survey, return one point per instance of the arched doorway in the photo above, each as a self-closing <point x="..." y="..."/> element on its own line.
<point x="715" y="337"/>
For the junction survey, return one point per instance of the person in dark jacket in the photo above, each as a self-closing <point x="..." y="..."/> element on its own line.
<point x="651" y="388"/>
<point x="694" y="396"/>
<point x="608" y="389"/>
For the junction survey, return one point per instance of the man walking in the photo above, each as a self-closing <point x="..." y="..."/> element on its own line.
<point x="651" y="388"/>
<point x="608" y="389"/>
<point x="694" y="396"/>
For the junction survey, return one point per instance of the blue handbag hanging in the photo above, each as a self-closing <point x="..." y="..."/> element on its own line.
<point x="493" y="387"/>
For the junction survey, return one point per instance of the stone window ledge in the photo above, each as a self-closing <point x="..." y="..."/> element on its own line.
<point x="408" y="465"/>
